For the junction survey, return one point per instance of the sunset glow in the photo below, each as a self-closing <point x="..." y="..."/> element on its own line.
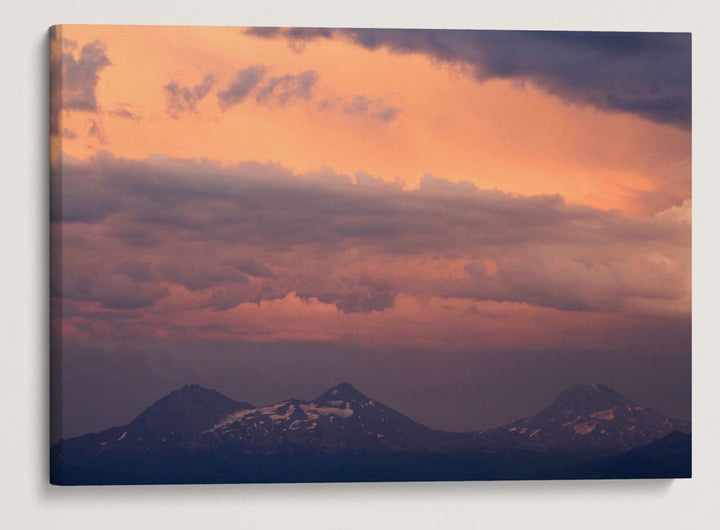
<point x="370" y="190"/>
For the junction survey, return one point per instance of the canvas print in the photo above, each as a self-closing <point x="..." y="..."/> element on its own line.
<point x="341" y="254"/>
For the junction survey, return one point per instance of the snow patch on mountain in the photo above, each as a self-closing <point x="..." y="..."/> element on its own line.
<point x="584" y="428"/>
<point x="587" y="418"/>
<point x="331" y="411"/>
<point x="606" y="415"/>
<point x="300" y="413"/>
<point x="232" y="418"/>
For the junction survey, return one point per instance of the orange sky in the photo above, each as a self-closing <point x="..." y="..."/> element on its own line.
<point x="494" y="134"/>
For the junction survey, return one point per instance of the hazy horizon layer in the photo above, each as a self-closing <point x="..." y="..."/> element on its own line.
<point x="478" y="390"/>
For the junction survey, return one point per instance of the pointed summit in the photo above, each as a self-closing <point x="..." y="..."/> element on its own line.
<point x="192" y="388"/>
<point x="342" y="392"/>
<point x="588" y="398"/>
<point x="587" y="418"/>
<point x="187" y="410"/>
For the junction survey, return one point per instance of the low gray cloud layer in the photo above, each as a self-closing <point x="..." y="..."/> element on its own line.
<point x="113" y="289"/>
<point x="255" y="232"/>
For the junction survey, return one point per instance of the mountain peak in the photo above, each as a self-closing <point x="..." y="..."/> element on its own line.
<point x="587" y="418"/>
<point x="588" y="398"/>
<point x="342" y="392"/>
<point x="192" y="387"/>
<point x="187" y="410"/>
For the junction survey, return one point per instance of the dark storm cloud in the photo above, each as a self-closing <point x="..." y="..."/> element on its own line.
<point x="546" y="252"/>
<point x="282" y="89"/>
<point x="80" y="76"/>
<point x="184" y="98"/>
<point x="244" y="82"/>
<point x="647" y="74"/>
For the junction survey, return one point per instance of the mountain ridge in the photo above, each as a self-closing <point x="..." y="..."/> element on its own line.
<point x="191" y="431"/>
<point x="588" y="417"/>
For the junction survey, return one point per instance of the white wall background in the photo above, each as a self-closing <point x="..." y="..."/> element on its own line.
<point x="27" y="501"/>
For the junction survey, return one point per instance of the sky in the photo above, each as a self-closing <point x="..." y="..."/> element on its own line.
<point x="459" y="223"/>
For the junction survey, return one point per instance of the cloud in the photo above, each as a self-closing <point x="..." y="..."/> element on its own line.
<point x="253" y="268"/>
<point x="74" y="77"/>
<point x="386" y="114"/>
<point x="185" y="98"/>
<point x="643" y="73"/>
<point x="80" y="75"/>
<point x="135" y="270"/>
<point x="277" y="89"/>
<point x="111" y="289"/>
<point x="244" y="82"/>
<point x="215" y="231"/>
<point x="230" y="295"/>
<point x="358" y="105"/>
<point x="187" y="273"/>
<point x="282" y="89"/>
<point x="263" y="32"/>
<point x="96" y="131"/>
<point x="125" y="113"/>
<point x="362" y="295"/>
<point x="375" y="108"/>
<point x="79" y="198"/>
<point x="563" y="280"/>
<point x="297" y="37"/>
